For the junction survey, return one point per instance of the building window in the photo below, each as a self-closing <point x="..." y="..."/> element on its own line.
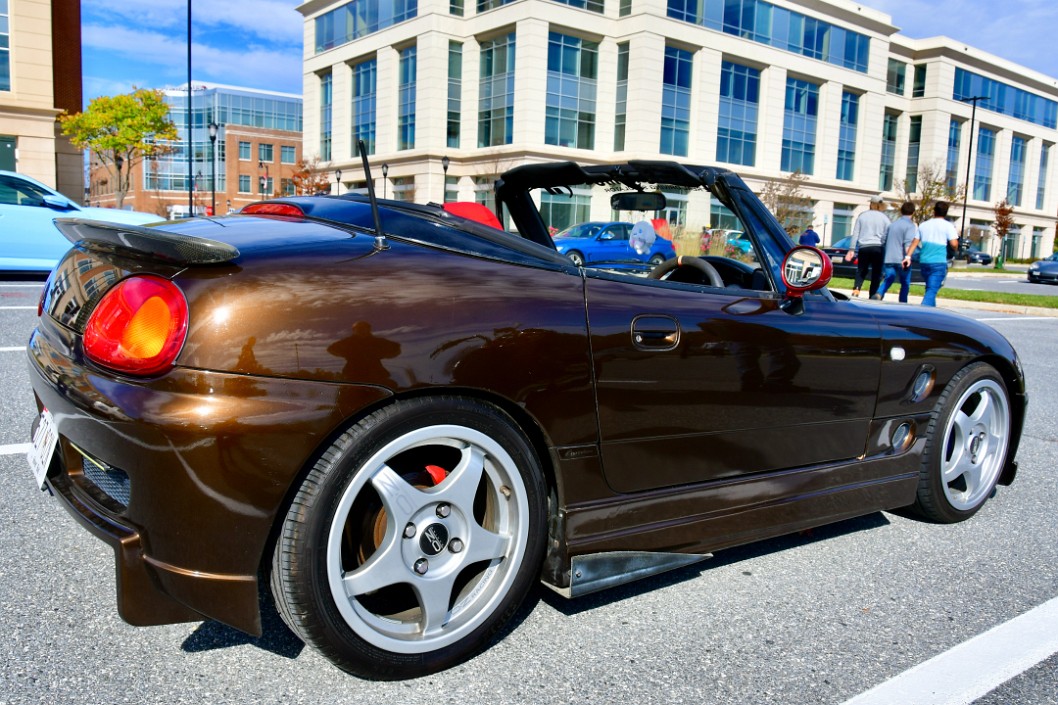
<point x="5" y="48"/>
<point x="895" y="76"/>
<point x="265" y="187"/>
<point x="1041" y="187"/>
<point x="287" y="187"/>
<point x="265" y="153"/>
<point x="326" y="106"/>
<point x="624" y="9"/>
<point x="560" y="211"/>
<point x="244" y="184"/>
<point x="593" y="5"/>
<point x="455" y="91"/>
<point x="496" y="102"/>
<point x="918" y="87"/>
<point x="404" y="188"/>
<point x="244" y="151"/>
<point x="843" y="219"/>
<point x="951" y="170"/>
<point x="799" y="126"/>
<point x="914" y="148"/>
<point x="621" y="109"/>
<point x="359" y="18"/>
<point x="1005" y="99"/>
<point x="779" y="27"/>
<point x="986" y="149"/>
<point x="406" y="106"/>
<point x="676" y="102"/>
<point x="572" y="69"/>
<point x="850" y="113"/>
<point x="364" y="76"/>
<point x="486" y="5"/>
<point x="736" y="136"/>
<point x="885" y="176"/>
<point x="1016" y="177"/>
<point x="287" y="154"/>
<point x="455" y="7"/>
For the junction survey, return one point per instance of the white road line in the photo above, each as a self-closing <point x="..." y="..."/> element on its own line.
<point x="21" y="349"/>
<point x="15" y="449"/>
<point x="21" y="286"/>
<point x="18" y="308"/>
<point x="1019" y="318"/>
<point x="968" y="671"/>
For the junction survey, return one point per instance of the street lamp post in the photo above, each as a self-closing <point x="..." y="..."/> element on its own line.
<point x="969" y="156"/>
<point x="213" y="128"/>
<point x="337" y="182"/>
<point x="119" y="161"/>
<point x="444" y="167"/>
<point x="385" y="180"/>
<point x="263" y="178"/>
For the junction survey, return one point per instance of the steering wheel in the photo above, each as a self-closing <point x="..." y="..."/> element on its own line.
<point x="698" y="263"/>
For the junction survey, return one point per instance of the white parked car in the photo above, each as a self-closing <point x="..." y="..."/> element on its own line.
<point x="29" y="240"/>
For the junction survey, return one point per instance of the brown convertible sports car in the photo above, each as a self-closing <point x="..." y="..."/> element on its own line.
<point x="401" y="418"/>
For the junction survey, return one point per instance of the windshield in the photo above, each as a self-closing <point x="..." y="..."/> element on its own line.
<point x="583" y="230"/>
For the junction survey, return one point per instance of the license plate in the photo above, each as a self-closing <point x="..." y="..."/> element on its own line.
<point x="44" y="440"/>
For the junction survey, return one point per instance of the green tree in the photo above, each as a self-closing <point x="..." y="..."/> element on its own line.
<point x="121" y="131"/>
<point x="931" y="186"/>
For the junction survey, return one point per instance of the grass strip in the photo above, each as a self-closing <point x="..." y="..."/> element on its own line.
<point x="994" y="297"/>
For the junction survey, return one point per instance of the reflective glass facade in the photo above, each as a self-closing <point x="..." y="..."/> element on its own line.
<point x="496" y="101"/>
<point x="778" y="27"/>
<point x="986" y="150"/>
<point x="676" y="102"/>
<point x="572" y="70"/>
<point x="5" y="47"/>
<point x="850" y="109"/>
<point x="621" y="109"/>
<point x="359" y="18"/>
<point x="455" y="92"/>
<point x="799" y="126"/>
<point x="364" y="97"/>
<point x="895" y="77"/>
<point x="1041" y="187"/>
<point x="914" y="149"/>
<point x="736" y="136"/>
<point x="406" y="105"/>
<point x="951" y="169"/>
<point x="593" y="5"/>
<point x="1005" y="99"/>
<point x="1016" y="177"/>
<point x="888" y="163"/>
<point x="326" y="114"/>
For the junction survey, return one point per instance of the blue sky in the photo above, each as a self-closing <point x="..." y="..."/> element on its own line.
<point x="258" y="43"/>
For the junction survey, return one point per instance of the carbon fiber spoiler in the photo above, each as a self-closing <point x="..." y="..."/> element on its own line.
<point x="139" y="242"/>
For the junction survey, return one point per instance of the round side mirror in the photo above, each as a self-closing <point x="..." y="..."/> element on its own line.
<point x="805" y="269"/>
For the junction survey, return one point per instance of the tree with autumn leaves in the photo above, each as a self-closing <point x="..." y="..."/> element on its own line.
<point x="121" y="131"/>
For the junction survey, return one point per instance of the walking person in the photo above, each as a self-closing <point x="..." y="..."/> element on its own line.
<point x="934" y="237"/>
<point x="868" y="237"/>
<point x="898" y="238"/>
<point x="809" y="237"/>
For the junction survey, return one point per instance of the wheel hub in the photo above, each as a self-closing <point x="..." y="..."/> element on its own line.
<point x="434" y="539"/>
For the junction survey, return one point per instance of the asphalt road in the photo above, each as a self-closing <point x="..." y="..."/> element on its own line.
<point x="817" y="617"/>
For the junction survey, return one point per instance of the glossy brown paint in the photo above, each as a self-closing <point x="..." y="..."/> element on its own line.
<point x="290" y="344"/>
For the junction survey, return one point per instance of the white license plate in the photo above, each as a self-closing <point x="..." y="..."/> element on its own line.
<point x="44" y="440"/>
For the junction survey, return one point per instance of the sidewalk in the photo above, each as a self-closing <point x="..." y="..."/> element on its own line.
<point x="956" y="304"/>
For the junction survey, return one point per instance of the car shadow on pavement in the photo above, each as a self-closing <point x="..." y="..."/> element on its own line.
<point x="724" y="557"/>
<point x="275" y="638"/>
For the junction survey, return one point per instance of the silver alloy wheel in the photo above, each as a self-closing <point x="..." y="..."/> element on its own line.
<point x="458" y="545"/>
<point x="975" y="444"/>
<point x="576" y="258"/>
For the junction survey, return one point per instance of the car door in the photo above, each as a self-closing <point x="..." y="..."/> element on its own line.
<point x="28" y="236"/>
<point x="697" y="383"/>
<point x="612" y="243"/>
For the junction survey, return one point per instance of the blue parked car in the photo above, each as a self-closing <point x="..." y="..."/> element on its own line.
<point x="29" y="240"/>
<point x="607" y="242"/>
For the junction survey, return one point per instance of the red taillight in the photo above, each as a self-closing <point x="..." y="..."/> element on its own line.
<point x="138" y="327"/>
<point x="272" y="209"/>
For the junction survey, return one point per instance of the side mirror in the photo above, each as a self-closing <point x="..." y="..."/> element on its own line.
<point x="608" y="235"/>
<point x="805" y="269"/>
<point x="57" y="203"/>
<point x="638" y="201"/>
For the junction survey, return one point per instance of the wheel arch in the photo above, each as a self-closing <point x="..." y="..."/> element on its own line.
<point x="1014" y="381"/>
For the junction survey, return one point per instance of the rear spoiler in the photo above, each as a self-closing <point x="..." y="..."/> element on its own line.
<point x="138" y="242"/>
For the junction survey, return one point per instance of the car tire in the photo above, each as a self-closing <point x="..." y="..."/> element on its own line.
<point x="656" y="260"/>
<point x="576" y="258"/>
<point x="414" y="539"/>
<point x="966" y="446"/>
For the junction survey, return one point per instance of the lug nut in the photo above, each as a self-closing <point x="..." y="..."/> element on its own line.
<point x="421" y="566"/>
<point x="443" y="510"/>
<point x="409" y="530"/>
<point x="455" y="546"/>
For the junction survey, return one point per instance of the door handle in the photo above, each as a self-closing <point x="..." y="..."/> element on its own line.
<point x="655" y="333"/>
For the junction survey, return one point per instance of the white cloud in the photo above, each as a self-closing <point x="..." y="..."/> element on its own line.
<point x="272" y="21"/>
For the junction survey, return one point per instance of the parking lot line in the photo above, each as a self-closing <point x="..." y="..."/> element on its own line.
<point x="18" y="308"/>
<point x="15" y="448"/>
<point x="968" y="671"/>
<point x="18" y="349"/>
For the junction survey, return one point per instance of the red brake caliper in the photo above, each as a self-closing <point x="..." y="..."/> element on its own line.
<point x="436" y="473"/>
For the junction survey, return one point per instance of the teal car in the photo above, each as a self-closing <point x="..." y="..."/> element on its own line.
<point x="29" y="240"/>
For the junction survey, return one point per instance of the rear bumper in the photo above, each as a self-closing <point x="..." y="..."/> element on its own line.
<point x="207" y="461"/>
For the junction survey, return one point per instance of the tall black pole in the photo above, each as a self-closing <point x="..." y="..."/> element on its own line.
<point x="190" y="141"/>
<point x="969" y="157"/>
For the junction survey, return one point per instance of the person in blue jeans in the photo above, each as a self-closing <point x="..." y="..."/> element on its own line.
<point x="934" y="237"/>
<point x="898" y="238"/>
